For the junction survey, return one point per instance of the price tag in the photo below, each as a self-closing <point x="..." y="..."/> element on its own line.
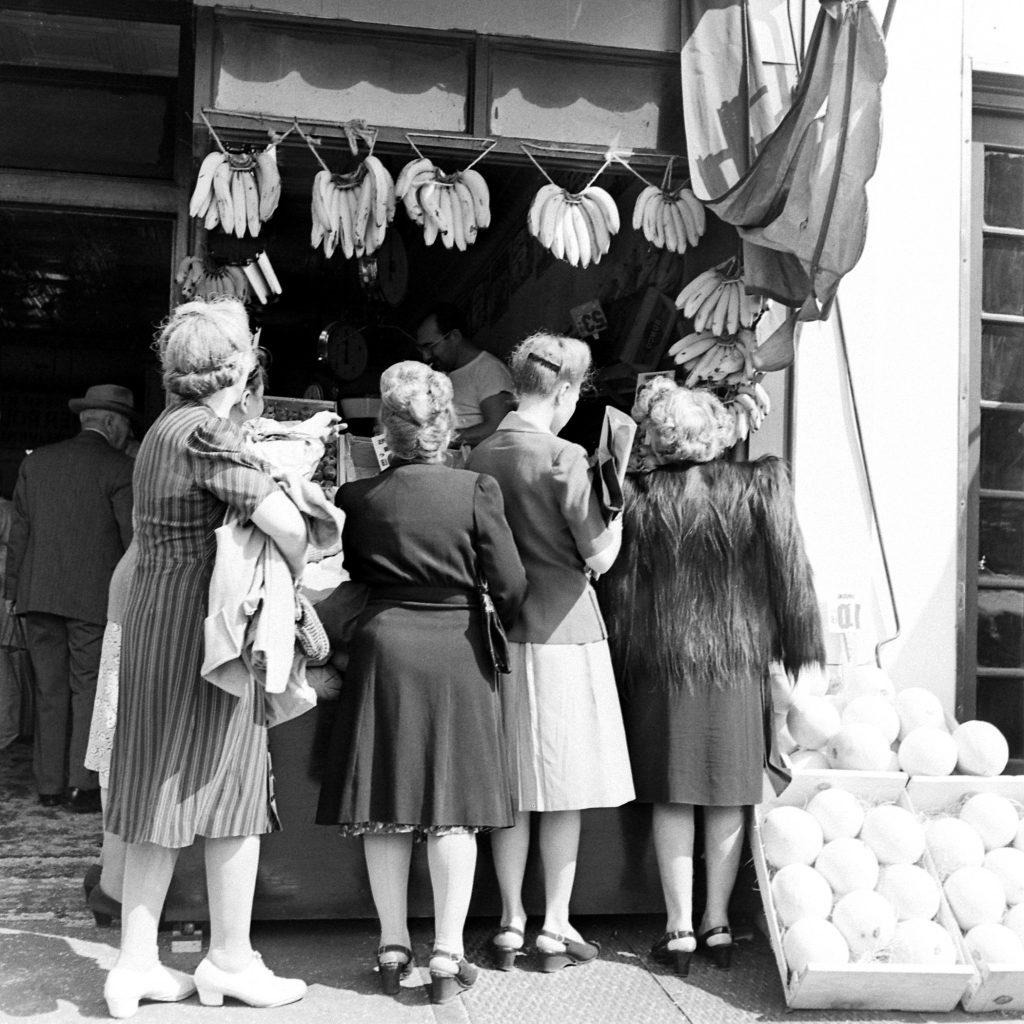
<point x="844" y="614"/>
<point x="381" y="450"/>
<point x="588" y="319"/>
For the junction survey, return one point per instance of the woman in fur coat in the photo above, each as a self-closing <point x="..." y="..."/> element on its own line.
<point x="712" y="585"/>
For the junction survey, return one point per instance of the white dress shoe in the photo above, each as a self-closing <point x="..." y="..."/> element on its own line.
<point x="124" y="988"/>
<point x="256" y="985"/>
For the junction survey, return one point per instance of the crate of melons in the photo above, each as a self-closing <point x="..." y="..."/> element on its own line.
<point x="856" y="916"/>
<point x="974" y="829"/>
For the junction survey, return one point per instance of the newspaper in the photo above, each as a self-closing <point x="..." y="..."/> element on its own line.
<point x="611" y="459"/>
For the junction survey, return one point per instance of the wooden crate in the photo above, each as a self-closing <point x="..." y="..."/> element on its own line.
<point x="992" y="987"/>
<point x="857" y="986"/>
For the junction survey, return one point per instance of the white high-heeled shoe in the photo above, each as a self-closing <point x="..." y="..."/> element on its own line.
<point x="125" y="988"/>
<point x="256" y="985"/>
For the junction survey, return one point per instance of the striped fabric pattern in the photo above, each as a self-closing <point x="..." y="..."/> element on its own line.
<point x="189" y="759"/>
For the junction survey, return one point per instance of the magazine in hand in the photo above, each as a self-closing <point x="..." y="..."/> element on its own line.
<point x="611" y="459"/>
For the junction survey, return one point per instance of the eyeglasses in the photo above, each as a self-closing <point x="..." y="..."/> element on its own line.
<point x="425" y="348"/>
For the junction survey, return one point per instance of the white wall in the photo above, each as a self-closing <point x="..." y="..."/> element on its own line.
<point x="900" y="310"/>
<point x="638" y="24"/>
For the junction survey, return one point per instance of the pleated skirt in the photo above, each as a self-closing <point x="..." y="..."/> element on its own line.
<point x="564" y="726"/>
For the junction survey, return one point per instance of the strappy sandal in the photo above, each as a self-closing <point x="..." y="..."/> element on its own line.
<point x="574" y="953"/>
<point x="677" y="958"/>
<point x="720" y="953"/>
<point x="503" y="955"/>
<point x="446" y="985"/>
<point x="393" y="971"/>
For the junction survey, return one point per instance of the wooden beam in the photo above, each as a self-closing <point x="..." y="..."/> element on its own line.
<point x="88" y="192"/>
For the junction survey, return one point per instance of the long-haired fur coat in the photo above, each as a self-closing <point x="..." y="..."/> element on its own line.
<point x="712" y="583"/>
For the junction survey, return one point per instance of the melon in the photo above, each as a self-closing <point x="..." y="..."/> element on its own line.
<point x="808" y="761"/>
<point x="1014" y="920"/>
<point x="873" y="709"/>
<point x="953" y="844"/>
<point x="790" y="835"/>
<point x="860" y="747"/>
<point x="799" y="891"/>
<point x="784" y="740"/>
<point x="1018" y="839"/>
<point x="814" y="941"/>
<point x="922" y="941"/>
<point x="812" y="721"/>
<point x="867" y="679"/>
<point x="975" y="896"/>
<point x="993" y="817"/>
<point x="995" y="944"/>
<point x="1008" y="863"/>
<point x="867" y="920"/>
<point x="894" y="834"/>
<point x="917" y="708"/>
<point x="911" y="890"/>
<point x="927" y="750"/>
<point x="848" y="864"/>
<point x="981" y="749"/>
<point x="838" y="812"/>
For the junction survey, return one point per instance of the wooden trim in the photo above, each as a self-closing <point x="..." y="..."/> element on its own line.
<point x="88" y="192"/>
<point x="167" y="12"/>
<point x="995" y="92"/>
<point x="481" y="90"/>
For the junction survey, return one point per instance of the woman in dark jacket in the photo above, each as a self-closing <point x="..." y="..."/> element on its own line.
<point x="418" y="745"/>
<point x="711" y="586"/>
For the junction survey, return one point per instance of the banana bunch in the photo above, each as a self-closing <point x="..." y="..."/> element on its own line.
<point x="719" y="301"/>
<point x="710" y="358"/>
<point x="749" y="406"/>
<point x="452" y="207"/>
<point x="352" y="211"/>
<point x="238" y="191"/>
<point x="669" y="220"/>
<point x="575" y="226"/>
<point x="253" y="279"/>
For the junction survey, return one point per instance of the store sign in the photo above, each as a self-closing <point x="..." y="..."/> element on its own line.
<point x="588" y="319"/>
<point x="844" y="614"/>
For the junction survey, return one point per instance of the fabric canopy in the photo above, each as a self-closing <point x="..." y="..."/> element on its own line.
<point x="795" y="187"/>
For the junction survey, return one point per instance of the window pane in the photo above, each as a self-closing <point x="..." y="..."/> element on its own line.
<point x="1002" y="363"/>
<point x="1000" y="616"/>
<point x="336" y="77"/>
<point x="1001" y="702"/>
<point x="550" y="97"/>
<point x="1003" y="276"/>
<point x="1002" y="450"/>
<point x="1001" y="537"/>
<point x="1004" y="189"/>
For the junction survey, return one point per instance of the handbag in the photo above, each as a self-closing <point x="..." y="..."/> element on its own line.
<point x="495" y="639"/>
<point x="310" y="635"/>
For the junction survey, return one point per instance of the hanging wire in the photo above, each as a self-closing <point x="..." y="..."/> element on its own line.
<point x="488" y="144"/>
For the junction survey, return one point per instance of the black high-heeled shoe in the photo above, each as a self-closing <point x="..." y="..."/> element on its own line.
<point x="393" y="971"/>
<point x="504" y="956"/>
<point x="720" y="953"/>
<point x="574" y="953"/>
<point x="105" y="909"/>
<point x="446" y="985"/>
<point x="677" y="958"/>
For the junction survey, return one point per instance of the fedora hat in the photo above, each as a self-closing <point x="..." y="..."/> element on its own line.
<point x="106" y="396"/>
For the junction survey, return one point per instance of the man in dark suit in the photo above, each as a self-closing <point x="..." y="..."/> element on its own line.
<point x="72" y="523"/>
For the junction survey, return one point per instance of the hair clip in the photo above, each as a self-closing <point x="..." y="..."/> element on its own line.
<point x="555" y="367"/>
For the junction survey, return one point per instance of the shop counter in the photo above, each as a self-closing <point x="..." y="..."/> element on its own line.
<point x="311" y="871"/>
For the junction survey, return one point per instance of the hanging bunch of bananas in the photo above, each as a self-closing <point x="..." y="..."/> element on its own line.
<point x="237" y="190"/>
<point x="670" y="219"/>
<point x="574" y="226"/>
<point x="717" y="300"/>
<point x="452" y="207"/>
<point x="749" y="405"/>
<point x="352" y="211"/>
<point x="719" y="360"/>
<point x="253" y="279"/>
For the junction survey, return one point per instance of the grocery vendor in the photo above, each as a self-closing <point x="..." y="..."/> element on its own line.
<point x="711" y="587"/>
<point x="481" y="382"/>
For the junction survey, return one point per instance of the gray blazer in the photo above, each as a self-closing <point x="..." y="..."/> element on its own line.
<point x="72" y="523"/>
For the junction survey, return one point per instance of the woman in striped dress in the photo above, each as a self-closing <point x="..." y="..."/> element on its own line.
<point x="190" y="759"/>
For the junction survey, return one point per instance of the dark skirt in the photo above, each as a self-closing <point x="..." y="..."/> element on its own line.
<point x="418" y="737"/>
<point x="704" y="748"/>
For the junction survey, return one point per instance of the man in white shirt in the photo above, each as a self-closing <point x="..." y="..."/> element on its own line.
<point x="481" y="382"/>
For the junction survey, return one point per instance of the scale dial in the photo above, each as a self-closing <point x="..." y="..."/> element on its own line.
<point x="347" y="352"/>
